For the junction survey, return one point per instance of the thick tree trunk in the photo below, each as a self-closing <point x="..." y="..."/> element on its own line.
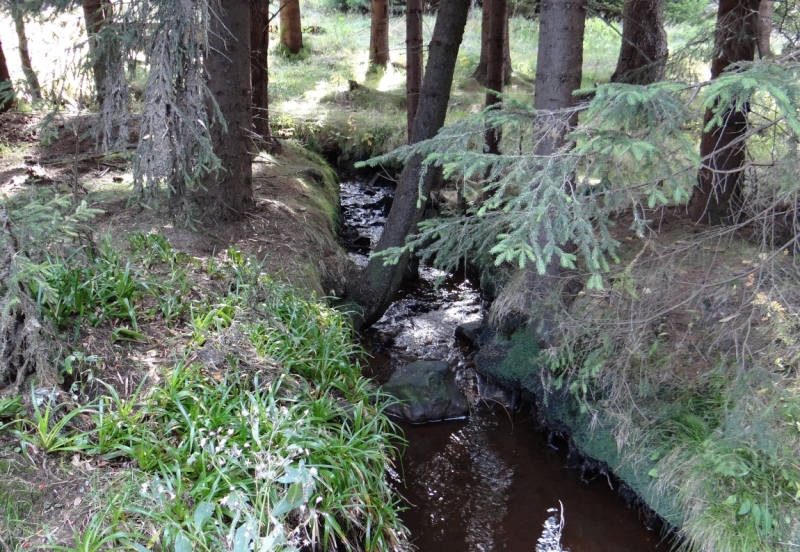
<point x="291" y="28"/>
<point x="414" y="54"/>
<point x="558" y="73"/>
<point x="228" y="65"/>
<point x="718" y="193"/>
<point x="480" y="73"/>
<point x="5" y="78"/>
<point x="24" y="56"/>
<point x="765" y="12"/>
<point x="559" y="64"/>
<point x="259" y="72"/>
<point x="643" y="53"/>
<point x="494" y="69"/>
<point x="379" y="34"/>
<point x="95" y="13"/>
<point x="380" y="283"/>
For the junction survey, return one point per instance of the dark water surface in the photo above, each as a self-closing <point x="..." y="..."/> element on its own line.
<point x="486" y="483"/>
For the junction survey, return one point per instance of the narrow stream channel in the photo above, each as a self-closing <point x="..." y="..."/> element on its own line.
<point x="485" y="483"/>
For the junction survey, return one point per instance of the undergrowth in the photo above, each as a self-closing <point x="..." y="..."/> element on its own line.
<point x="261" y="436"/>
<point x="329" y="101"/>
<point x="706" y="403"/>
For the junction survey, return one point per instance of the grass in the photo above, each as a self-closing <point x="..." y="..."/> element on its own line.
<point x="312" y="100"/>
<point x="255" y="415"/>
<point x="263" y="427"/>
<point x="714" y="428"/>
<point x="727" y="451"/>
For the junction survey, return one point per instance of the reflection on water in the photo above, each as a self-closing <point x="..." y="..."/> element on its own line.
<point x="463" y="486"/>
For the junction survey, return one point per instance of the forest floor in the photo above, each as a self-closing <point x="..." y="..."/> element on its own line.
<point x="292" y="232"/>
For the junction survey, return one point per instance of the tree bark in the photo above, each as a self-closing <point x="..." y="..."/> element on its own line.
<point x="480" y="73"/>
<point x="379" y="34"/>
<point x="95" y="13"/>
<point x="643" y="53"/>
<point x="291" y="28"/>
<point x="718" y="194"/>
<point x="414" y="55"/>
<point x="5" y="77"/>
<point x="259" y="72"/>
<point x="230" y="191"/>
<point x="494" y="70"/>
<point x="559" y="70"/>
<point x="765" y="12"/>
<point x="559" y="64"/>
<point x="24" y="56"/>
<point x="380" y="283"/>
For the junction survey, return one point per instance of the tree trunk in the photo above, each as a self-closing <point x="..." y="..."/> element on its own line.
<point x="259" y="72"/>
<point x="380" y="283"/>
<point x="5" y="79"/>
<point x="291" y="28"/>
<point x="718" y="193"/>
<point x="379" y="34"/>
<point x="643" y="53"/>
<point x="494" y="69"/>
<point x="94" y="16"/>
<point x="414" y="55"/>
<point x="558" y="73"/>
<point x="228" y="66"/>
<point x="480" y="73"/>
<point x="559" y="64"/>
<point x="24" y="57"/>
<point x="765" y="12"/>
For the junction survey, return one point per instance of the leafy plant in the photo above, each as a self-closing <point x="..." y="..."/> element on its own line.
<point x="49" y="428"/>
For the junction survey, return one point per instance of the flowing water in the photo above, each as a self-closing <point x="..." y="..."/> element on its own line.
<point x="485" y="483"/>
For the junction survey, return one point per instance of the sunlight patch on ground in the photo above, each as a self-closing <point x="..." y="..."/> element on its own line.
<point x="392" y="79"/>
<point x="310" y="106"/>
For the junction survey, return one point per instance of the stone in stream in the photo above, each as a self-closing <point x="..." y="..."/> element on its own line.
<point x="428" y="391"/>
<point x="471" y="332"/>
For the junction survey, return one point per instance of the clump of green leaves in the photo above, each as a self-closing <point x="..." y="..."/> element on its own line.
<point x="28" y="229"/>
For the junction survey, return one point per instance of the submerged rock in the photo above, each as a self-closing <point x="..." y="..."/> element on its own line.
<point x="428" y="391"/>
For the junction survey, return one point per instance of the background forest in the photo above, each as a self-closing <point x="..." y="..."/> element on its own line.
<point x="623" y="175"/>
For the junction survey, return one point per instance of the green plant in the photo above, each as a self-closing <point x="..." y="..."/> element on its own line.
<point x="50" y="432"/>
<point x="78" y="363"/>
<point x="92" y="292"/>
<point x="205" y="318"/>
<point x="152" y="248"/>
<point x="738" y="477"/>
<point x="10" y="407"/>
<point x="113" y="419"/>
<point x="263" y="454"/>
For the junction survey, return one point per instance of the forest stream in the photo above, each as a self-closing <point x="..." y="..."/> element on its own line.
<point x="484" y="483"/>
